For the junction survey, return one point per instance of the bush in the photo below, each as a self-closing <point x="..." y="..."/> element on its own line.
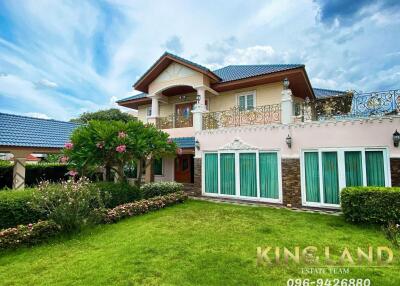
<point x="35" y="173"/>
<point x="28" y="234"/>
<point x="70" y="204"/>
<point x="371" y="204"/>
<point x="143" y="206"/>
<point x="15" y="208"/>
<point x="114" y="194"/>
<point x="151" y="190"/>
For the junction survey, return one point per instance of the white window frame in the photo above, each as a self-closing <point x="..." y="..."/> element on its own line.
<point x="341" y="171"/>
<point x="237" y="175"/>
<point x="246" y="93"/>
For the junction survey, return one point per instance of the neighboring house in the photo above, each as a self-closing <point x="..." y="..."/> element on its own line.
<point x="263" y="133"/>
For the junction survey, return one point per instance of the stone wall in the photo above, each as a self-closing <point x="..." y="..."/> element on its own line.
<point x="197" y="177"/>
<point x="395" y="171"/>
<point x="291" y="186"/>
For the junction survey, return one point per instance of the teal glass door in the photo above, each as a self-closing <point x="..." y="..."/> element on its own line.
<point x="375" y="168"/>
<point x="227" y="173"/>
<point x="311" y="162"/>
<point x="269" y="182"/>
<point x="211" y="173"/>
<point x="330" y="177"/>
<point x="248" y="174"/>
<point x="353" y="168"/>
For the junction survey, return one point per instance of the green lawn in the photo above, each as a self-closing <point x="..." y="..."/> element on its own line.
<point x="195" y="243"/>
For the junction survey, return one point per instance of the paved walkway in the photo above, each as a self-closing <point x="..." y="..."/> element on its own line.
<point x="268" y="205"/>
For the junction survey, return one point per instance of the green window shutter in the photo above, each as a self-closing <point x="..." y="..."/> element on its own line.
<point x="248" y="176"/>
<point x="330" y="177"/>
<point x="250" y="102"/>
<point x="157" y="167"/>
<point x="242" y="102"/>
<point x="353" y="168"/>
<point x="375" y="168"/>
<point x="227" y="174"/>
<point x="211" y="173"/>
<point x="311" y="163"/>
<point x="269" y="184"/>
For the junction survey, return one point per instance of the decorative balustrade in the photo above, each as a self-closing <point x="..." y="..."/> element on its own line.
<point x="352" y="105"/>
<point x="174" y="121"/>
<point x="236" y="116"/>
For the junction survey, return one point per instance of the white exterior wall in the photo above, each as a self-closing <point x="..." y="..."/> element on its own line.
<point x="168" y="170"/>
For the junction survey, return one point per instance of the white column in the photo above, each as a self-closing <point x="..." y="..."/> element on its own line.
<point x="202" y="92"/>
<point x="154" y="109"/>
<point x="286" y="106"/>
<point x="19" y="169"/>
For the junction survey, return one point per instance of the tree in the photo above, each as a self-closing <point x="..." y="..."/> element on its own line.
<point x="113" y="145"/>
<point x="104" y="115"/>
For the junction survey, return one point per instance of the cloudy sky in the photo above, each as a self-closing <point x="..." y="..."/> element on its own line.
<point x="61" y="58"/>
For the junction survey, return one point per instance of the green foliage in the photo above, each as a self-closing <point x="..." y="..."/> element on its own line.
<point x="392" y="232"/>
<point x="70" y="204"/>
<point x="116" y="144"/>
<point x="35" y="173"/>
<point x="114" y="194"/>
<point x="112" y="114"/>
<point x="143" y="206"/>
<point x="371" y="204"/>
<point x="159" y="189"/>
<point x="28" y="234"/>
<point x="15" y="208"/>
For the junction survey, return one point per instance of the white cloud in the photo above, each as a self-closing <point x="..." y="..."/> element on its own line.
<point x="47" y="83"/>
<point x="37" y="115"/>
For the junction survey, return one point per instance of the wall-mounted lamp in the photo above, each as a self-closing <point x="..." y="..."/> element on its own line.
<point x="198" y="98"/>
<point x="286" y="83"/>
<point x="396" y="138"/>
<point x="289" y="141"/>
<point x="197" y="144"/>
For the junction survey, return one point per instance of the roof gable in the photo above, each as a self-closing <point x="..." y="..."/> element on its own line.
<point x="162" y="63"/>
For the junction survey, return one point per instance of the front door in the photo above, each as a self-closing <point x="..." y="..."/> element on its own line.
<point x="183" y="168"/>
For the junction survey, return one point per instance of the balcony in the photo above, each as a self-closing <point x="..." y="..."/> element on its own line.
<point x="234" y="117"/>
<point x="174" y="121"/>
<point x="353" y="105"/>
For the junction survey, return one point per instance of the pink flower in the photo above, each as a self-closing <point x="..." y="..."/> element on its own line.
<point x="64" y="159"/>
<point x="100" y="145"/>
<point x="72" y="173"/>
<point x="121" y="149"/>
<point x="121" y="134"/>
<point x="30" y="225"/>
<point x="69" y="146"/>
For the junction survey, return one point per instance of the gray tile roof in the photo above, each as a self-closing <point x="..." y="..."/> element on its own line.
<point x="26" y="131"/>
<point x="136" y="96"/>
<point x="235" y="72"/>
<point x="322" y="93"/>
<point x="184" y="142"/>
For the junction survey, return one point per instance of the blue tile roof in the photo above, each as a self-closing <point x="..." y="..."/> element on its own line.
<point x="184" y="142"/>
<point x="235" y="72"/>
<point x="232" y="72"/>
<point x="322" y="93"/>
<point x="26" y="131"/>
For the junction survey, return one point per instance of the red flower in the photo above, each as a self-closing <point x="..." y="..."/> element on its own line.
<point x="121" y="134"/>
<point x="69" y="145"/>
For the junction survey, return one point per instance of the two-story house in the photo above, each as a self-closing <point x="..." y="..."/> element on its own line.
<point x="263" y="133"/>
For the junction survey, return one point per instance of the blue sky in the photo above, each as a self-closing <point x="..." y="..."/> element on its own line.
<point x="61" y="58"/>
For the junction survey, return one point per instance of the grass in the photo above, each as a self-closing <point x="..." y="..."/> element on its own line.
<point x="196" y="243"/>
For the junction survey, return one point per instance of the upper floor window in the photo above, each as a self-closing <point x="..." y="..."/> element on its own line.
<point x="148" y="111"/>
<point x="246" y="101"/>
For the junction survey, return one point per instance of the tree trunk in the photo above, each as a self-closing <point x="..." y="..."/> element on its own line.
<point x="139" y="173"/>
<point x="108" y="173"/>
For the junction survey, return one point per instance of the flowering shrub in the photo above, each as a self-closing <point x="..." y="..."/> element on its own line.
<point x="159" y="189"/>
<point x="28" y="234"/>
<point x="70" y="204"/>
<point x="392" y="232"/>
<point x="143" y="206"/>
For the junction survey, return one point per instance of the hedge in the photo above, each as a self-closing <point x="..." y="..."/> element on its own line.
<point x="15" y="208"/>
<point x="150" y="190"/>
<point x="371" y="204"/>
<point x="35" y="173"/>
<point x="28" y="234"/>
<point x="38" y="232"/>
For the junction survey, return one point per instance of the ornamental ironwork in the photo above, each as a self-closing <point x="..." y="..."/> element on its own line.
<point x="352" y="105"/>
<point x="237" y="116"/>
<point x="174" y="121"/>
